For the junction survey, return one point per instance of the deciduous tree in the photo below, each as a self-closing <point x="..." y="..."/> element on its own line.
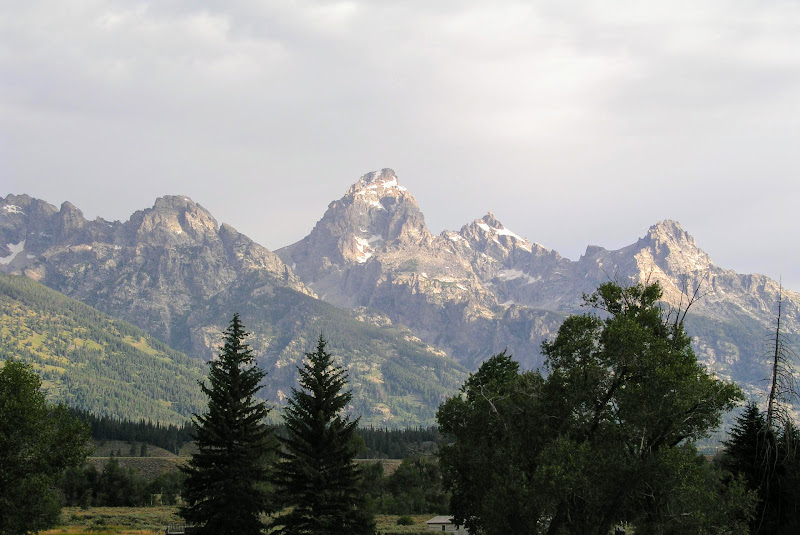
<point x="602" y="439"/>
<point x="38" y="441"/>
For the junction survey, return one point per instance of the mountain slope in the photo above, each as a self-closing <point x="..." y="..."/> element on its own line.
<point x="92" y="361"/>
<point x="173" y="271"/>
<point x="372" y="249"/>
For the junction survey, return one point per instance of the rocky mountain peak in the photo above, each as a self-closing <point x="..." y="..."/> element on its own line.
<point x="174" y="202"/>
<point x="70" y="221"/>
<point x="489" y="234"/>
<point x="378" y="181"/>
<point x="174" y="219"/>
<point x="667" y="231"/>
<point x="672" y="248"/>
<point x="379" y="191"/>
<point x="375" y="213"/>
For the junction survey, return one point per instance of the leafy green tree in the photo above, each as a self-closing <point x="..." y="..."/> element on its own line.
<point x="494" y="431"/>
<point x="38" y="441"/>
<point x="600" y="440"/>
<point x="318" y="478"/>
<point x="119" y="487"/>
<point x="226" y="480"/>
<point x="416" y="486"/>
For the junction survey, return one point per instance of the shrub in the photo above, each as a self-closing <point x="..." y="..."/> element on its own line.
<point x="405" y="520"/>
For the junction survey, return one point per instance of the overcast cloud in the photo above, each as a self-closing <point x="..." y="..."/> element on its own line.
<point x="575" y="122"/>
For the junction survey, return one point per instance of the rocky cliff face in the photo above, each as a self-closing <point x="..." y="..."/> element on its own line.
<point x="174" y="271"/>
<point x="156" y="267"/>
<point x="372" y="249"/>
<point x="484" y="288"/>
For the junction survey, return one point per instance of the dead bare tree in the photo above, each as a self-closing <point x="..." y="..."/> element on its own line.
<point x="783" y="385"/>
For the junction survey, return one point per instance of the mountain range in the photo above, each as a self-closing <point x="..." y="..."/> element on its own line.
<point x="409" y="311"/>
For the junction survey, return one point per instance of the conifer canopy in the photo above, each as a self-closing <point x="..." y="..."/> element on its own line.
<point x="318" y="478"/>
<point x="226" y="488"/>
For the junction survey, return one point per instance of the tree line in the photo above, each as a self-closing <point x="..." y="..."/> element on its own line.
<point x="372" y="442"/>
<point x="169" y="437"/>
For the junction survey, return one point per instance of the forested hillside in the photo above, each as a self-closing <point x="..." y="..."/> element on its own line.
<point x="94" y="362"/>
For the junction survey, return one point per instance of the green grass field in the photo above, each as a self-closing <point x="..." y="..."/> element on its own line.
<point x="152" y="520"/>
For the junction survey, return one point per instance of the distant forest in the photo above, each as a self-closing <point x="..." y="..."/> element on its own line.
<point x="378" y="443"/>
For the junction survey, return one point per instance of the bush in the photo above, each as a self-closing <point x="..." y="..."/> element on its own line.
<point x="405" y="520"/>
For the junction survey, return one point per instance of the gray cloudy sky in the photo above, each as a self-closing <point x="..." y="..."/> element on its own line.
<point x="575" y="122"/>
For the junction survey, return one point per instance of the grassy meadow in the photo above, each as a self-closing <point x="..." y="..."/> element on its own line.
<point x="153" y="520"/>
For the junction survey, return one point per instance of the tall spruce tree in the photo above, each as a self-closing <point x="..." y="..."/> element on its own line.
<point x="226" y="485"/>
<point x="318" y="478"/>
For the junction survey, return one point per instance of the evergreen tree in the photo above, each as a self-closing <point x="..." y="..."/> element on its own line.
<point x="747" y="449"/>
<point x="318" y="477"/>
<point x="225" y="488"/>
<point x="769" y="464"/>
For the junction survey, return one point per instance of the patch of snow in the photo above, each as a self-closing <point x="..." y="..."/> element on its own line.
<point x="16" y="248"/>
<point x="513" y="274"/>
<point x="376" y="204"/>
<point x="506" y="232"/>
<point x="13" y="209"/>
<point x="362" y="245"/>
<point x="30" y="256"/>
<point x="508" y="303"/>
<point x="294" y="265"/>
<point x="117" y="247"/>
<point x="424" y="275"/>
<point x="460" y="287"/>
<point x="503" y="232"/>
<point x="374" y="238"/>
<point x="178" y="231"/>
